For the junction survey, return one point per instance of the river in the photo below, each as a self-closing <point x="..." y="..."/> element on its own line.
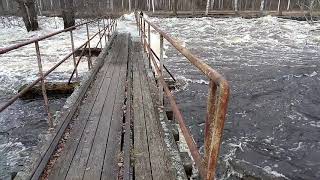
<point x="272" y="64"/>
<point x="272" y="128"/>
<point x="24" y="124"/>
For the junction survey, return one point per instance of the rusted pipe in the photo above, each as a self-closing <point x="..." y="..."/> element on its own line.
<point x="89" y="58"/>
<point x="73" y="55"/>
<point x="43" y="86"/>
<point x="22" y="92"/>
<point x="216" y="108"/>
<point x="81" y="55"/>
<point x="203" y="67"/>
<point x="164" y="66"/>
<point x="16" y="46"/>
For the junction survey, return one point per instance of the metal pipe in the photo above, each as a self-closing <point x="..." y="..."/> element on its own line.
<point x="22" y="92"/>
<point x="211" y="101"/>
<point x="186" y="133"/>
<point x="77" y="64"/>
<point x="149" y="41"/>
<point x="164" y="66"/>
<point x="16" y="46"/>
<point x="43" y="86"/>
<point x="217" y="131"/>
<point x="81" y="55"/>
<point x="104" y="27"/>
<point x="89" y="58"/>
<point x="161" y="70"/>
<point x="203" y="67"/>
<point x="99" y="35"/>
<point x="108" y="29"/>
<point x="73" y="55"/>
<point x="216" y="109"/>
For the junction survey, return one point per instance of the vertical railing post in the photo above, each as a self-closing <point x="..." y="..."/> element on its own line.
<point x="161" y="70"/>
<point x="144" y="32"/>
<point x="139" y="24"/>
<point x="141" y="27"/>
<point x="100" y="38"/>
<point x="219" y="96"/>
<point x="149" y="41"/>
<point x="43" y="86"/>
<point x="109" y="24"/>
<point x="89" y="48"/>
<point x="73" y="55"/>
<point x="210" y="119"/>
<point x="105" y="35"/>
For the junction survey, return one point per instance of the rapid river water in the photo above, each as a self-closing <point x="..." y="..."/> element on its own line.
<point x="273" y="122"/>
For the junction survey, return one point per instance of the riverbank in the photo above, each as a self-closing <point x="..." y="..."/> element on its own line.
<point x="294" y="15"/>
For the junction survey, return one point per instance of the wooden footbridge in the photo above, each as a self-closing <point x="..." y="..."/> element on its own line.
<point x="116" y="127"/>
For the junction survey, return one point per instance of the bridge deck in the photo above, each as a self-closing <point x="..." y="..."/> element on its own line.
<point x="116" y="132"/>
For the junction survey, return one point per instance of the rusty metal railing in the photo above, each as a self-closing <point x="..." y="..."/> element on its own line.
<point x="105" y="31"/>
<point x="217" y="101"/>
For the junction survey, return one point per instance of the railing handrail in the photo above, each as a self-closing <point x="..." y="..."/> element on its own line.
<point x="31" y="41"/>
<point x="216" y="104"/>
<point x="110" y="28"/>
<point x="203" y="67"/>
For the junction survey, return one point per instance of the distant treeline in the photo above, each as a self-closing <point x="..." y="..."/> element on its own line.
<point x="103" y="6"/>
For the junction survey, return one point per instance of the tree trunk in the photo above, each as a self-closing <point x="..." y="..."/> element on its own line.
<point x="279" y="8"/>
<point x="212" y="4"/>
<point x="262" y="7"/>
<point x="8" y="6"/>
<point x="67" y="13"/>
<point x="51" y="4"/>
<point x="129" y="5"/>
<point x="192" y="4"/>
<point x="39" y="5"/>
<point x="28" y="12"/>
<point x="288" y="7"/>
<point x="236" y="6"/>
<point x="153" y="6"/>
<point x="207" y="7"/>
<point x="1" y="7"/>
<point x="136" y="4"/>
<point x="175" y="7"/>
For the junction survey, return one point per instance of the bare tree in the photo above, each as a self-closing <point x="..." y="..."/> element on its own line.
<point x="288" y="6"/>
<point x="262" y="6"/>
<point x="129" y="5"/>
<point x="207" y="7"/>
<point x="27" y="10"/>
<point x="175" y="7"/>
<point x="1" y="7"/>
<point x="67" y="11"/>
<point x="279" y="7"/>
<point x="236" y="6"/>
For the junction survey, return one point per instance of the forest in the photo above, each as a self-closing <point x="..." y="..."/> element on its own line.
<point x="53" y="7"/>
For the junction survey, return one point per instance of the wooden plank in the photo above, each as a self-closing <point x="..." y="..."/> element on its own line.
<point x="110" y="123"/>
<point x="156" y="144"/>
<point x="142" y="167"/>
<point x="174" y="162"/>
<point x="78" y="165"/>
<point x="110" y="165"/>
<point x="61" y="167"/>
<point x="66" y="117"/>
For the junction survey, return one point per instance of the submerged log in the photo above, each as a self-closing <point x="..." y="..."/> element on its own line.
<point x="94" y="52"/>
<point x="54" y="89"/>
